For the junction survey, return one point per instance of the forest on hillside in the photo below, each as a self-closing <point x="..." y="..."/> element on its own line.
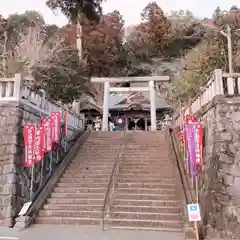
<point x="47" y="56"/>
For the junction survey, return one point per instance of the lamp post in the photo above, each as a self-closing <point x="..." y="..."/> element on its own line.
<point x="79" y="36"/>
<point x="228" y="35"/>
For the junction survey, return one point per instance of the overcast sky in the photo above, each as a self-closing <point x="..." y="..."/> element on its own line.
<point x="130" y="9"/>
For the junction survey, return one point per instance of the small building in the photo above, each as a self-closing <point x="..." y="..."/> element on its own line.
<point x="131" y="111"/>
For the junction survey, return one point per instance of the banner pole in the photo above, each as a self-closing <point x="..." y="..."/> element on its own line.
<point x="33" y="165"/>
<point x="42" y="163"/>
<point x="196" y="185"/>
<point x="65" y="144"/>
<point x="190" y="113"/>
<point x="196" y="230"/>
<point x="50" y="159"/>
<point x="42" y="167"/>
<point x="57" y="153"/>
<point x="65" y="132"/>
<point x="32" y="181"/>
<point x="185" y="154"/>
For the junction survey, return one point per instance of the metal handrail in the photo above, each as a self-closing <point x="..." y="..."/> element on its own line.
<point x="180" y="165"/>
<point x="111" y="184"/>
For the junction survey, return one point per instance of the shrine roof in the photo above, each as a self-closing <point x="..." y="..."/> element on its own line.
<point x="142" y="99"/>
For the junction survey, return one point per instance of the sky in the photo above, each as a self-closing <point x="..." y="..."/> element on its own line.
<point x="130" y="9"/>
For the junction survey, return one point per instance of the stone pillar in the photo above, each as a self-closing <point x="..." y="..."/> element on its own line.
<point x="105" y="106"/>
<point x="126" y="123"/>
<point x="145" y="121"/>
<point x="152" y="94"/>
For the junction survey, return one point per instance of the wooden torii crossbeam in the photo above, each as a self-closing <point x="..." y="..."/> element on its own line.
<point x="150" y="89"/>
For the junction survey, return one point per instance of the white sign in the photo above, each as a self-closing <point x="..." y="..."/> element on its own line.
<point x="24" y="209"/>
<point x="194" y="214"/>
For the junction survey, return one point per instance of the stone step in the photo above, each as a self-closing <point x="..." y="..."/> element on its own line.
<point x="94" y="159"/>
<point x="81" y="180"/>
<point x="143" y="177"/>
<point x="145" y="157"/>
<point x="82" y="167"/>
<point x="134" y="184"/>
<point x="72" y="214"/>
<point x="148" y="157"/>
<point x="72" y="207"/>
<point x="79" y="190"/>
<point x="94" y="151"/>
<point x="146" y="216"/>
<point x="91" y="166"/>
<point x="74" y="201"/>
<point x="145" y="146"/>
<point x="146" y="171"/>
<point x="147" y="166"/>
<point x="146" y="209"/>
<point x="145" y="181"/>
<point x="144" y="224"/>
<point x="146" y="203"/>
<point x="97" y="162"/>
<point x="78" y="195"/>
<point x="148" y="196"/>
<point x="82" y="185"/>
<point x="85" y="175"/>
<point x="90" y="171"/>
<point x="68" y="221"/>
<point x="151" y="156"/>
<point x="100" y="148"/>
<point x="145" y="190"/>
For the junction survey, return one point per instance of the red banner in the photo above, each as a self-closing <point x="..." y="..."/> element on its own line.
<point x="190" y="119"/>
<point x="56" y="117"/>
<point x="199" y="143"/>
<point x="39" y="143"/>
<point x="48" y="133"/>
<point x="53" y="131"/>
<point x="29" y="142"/>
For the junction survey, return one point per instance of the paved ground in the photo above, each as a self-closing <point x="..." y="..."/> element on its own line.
<point x="39" y="232"/>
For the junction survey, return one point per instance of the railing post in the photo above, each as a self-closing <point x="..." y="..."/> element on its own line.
<point x="17" y="86"/>
<point x="230" y="86"/>
<point x="218" y="81"/>
<point x="238" y="85"/>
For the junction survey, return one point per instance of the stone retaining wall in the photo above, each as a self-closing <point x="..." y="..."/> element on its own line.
<point x="219" y="188"/>
<point x="14" y="183"/>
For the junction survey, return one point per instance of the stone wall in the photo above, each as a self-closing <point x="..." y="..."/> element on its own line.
<point x="219" y="183"/>
<point x="14" y="178"/>
<point x="9" y="122"/>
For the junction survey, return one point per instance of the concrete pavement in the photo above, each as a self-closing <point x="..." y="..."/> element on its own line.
<point x="39" y="232"/>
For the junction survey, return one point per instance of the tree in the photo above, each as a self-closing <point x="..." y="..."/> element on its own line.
<point x="152" y="35"/>
<point x="71" y="8"/>
<point x="22" y="39"/>
<point x="103" y="52"/>
<point x="210" y="54"/>
<point x="60" y="75"/>
<point x="34" y="17"/>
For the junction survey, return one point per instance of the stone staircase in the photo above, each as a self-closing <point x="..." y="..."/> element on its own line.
<point x="145" y="196"/>
<point x="79" y="195"/>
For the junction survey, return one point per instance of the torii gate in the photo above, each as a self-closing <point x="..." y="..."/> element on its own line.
<point x="151" y="89"/>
